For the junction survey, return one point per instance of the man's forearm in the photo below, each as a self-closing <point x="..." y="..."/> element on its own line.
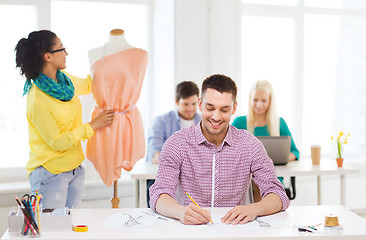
<point x="167" y="206"/>
<point x="269" y="204"/>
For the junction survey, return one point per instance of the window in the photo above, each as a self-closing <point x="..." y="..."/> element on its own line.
<point x="268" y="53"/>
<point x="13" y="121"/>
<point x="313" y="54"/>
<point x="334" y="80"/>
<point x="272" y="2"/>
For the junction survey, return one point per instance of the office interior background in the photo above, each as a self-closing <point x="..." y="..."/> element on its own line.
<point x="312" y="51"/>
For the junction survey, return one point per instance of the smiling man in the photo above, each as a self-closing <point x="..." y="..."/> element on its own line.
<point x="214" y="162"/>
<point x="185" y="115"/>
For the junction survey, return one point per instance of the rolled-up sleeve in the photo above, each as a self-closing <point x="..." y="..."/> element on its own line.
<point x="264" y="174"/>
<point x="169" y="170"/>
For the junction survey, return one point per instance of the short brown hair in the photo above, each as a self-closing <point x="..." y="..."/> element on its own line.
<point x="186" y="89"/>
<point x="220" y="83"/>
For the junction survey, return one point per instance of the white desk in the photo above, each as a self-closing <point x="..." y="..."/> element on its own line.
<point x="326" y="167"/>
<point x="143" y="171"/>
<point x="354" y="227"/>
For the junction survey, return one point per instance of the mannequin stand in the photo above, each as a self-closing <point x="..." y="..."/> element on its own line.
<point x="115" y="199"/>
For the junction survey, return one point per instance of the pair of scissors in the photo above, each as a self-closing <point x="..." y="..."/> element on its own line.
<point x="30" y="199"/>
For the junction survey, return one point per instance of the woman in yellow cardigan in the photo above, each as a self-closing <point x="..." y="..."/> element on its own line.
<point x="54" y="120"/>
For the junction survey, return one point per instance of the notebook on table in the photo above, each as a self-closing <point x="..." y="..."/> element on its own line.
<point x="278" y="148"/>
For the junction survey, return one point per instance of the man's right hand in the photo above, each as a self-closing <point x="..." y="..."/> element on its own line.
<point x="190" y="215"/>
<point x="194" y="215"/>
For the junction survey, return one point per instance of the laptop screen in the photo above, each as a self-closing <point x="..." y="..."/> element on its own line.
<point x="278" y="148"/>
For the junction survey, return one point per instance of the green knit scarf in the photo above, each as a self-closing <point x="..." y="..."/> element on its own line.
<point x="62" y="90"/>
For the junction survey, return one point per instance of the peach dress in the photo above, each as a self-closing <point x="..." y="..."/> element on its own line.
<point x="117" y="82"/>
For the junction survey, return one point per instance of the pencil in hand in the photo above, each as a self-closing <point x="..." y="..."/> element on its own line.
<point x="195" y="203"/>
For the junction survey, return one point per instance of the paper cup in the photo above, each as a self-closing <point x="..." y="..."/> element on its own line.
<point x="315" y="154"/>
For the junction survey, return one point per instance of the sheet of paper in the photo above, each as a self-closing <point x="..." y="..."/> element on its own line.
<point x="271" y="221"/>
<point x="143" y="218"/>
<point x="138" y="218"/>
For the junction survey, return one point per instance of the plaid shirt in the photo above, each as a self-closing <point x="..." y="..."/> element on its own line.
<point x="214" y="177"/>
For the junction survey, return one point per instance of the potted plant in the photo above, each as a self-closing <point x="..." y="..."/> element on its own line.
<point x="341" y="140"/>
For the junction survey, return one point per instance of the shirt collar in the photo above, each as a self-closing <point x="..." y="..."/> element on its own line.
<point x="200" y="138"/>
<point x="176" y="115"/>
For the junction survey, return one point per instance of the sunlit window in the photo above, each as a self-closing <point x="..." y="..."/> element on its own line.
<point x="272" y="2"/>
<point x="268" y="53"/>
<point x="315" y="60"/>
<point x="13" y="120"/>
<point x="320" y="78"/>
<point x="334" y="82"/>
<point x="336" y="4"/>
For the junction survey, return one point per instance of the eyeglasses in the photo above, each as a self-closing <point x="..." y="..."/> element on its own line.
<point x="58" y="50"/>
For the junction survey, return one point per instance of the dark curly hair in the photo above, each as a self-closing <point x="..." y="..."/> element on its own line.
<point x="220" y="83"/>
<point x="29" y="52"/>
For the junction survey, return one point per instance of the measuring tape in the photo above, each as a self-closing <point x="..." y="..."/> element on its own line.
<point x="80" y="228"/>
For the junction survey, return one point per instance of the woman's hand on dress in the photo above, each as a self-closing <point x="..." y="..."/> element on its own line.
<point x="103" y="119"/>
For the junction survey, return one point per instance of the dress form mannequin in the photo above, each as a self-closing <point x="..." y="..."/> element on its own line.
<point x="117" y="42"/>
<point x="117" y="70"/>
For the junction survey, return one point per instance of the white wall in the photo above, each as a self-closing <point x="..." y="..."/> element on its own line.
<point x="162" y="59"/>
<point x="207" y="39"/>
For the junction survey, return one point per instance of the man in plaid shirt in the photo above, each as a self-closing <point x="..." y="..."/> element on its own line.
<point x="214" y="162"/>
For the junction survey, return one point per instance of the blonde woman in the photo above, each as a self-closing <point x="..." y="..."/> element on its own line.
<point x="262" y="119"/>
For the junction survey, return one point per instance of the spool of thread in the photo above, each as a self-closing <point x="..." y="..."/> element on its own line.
<point x="331" y="220"/>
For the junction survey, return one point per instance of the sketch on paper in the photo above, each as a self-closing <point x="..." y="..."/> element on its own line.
<point x="260" y="222"/>
<point x="142" y="218"/>
<point x="263" y="224"/>
<point x="136" y="218"/>
<point x="132" y="221"/>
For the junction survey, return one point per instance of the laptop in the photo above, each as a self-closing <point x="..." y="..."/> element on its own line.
<point x="278" y="148"/>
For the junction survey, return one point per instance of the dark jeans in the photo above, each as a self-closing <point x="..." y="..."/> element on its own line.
<point x="148" y="185"/>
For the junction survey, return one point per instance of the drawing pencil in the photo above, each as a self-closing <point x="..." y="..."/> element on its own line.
<point x="195" y="202"/>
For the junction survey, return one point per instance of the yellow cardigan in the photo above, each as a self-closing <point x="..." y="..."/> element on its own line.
<point x="55" y="129"/>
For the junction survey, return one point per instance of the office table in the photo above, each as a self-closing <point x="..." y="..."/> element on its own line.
<point x="326" y="167"/>
<point x="282" y="225"/>
<point x="143" y="171"/>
